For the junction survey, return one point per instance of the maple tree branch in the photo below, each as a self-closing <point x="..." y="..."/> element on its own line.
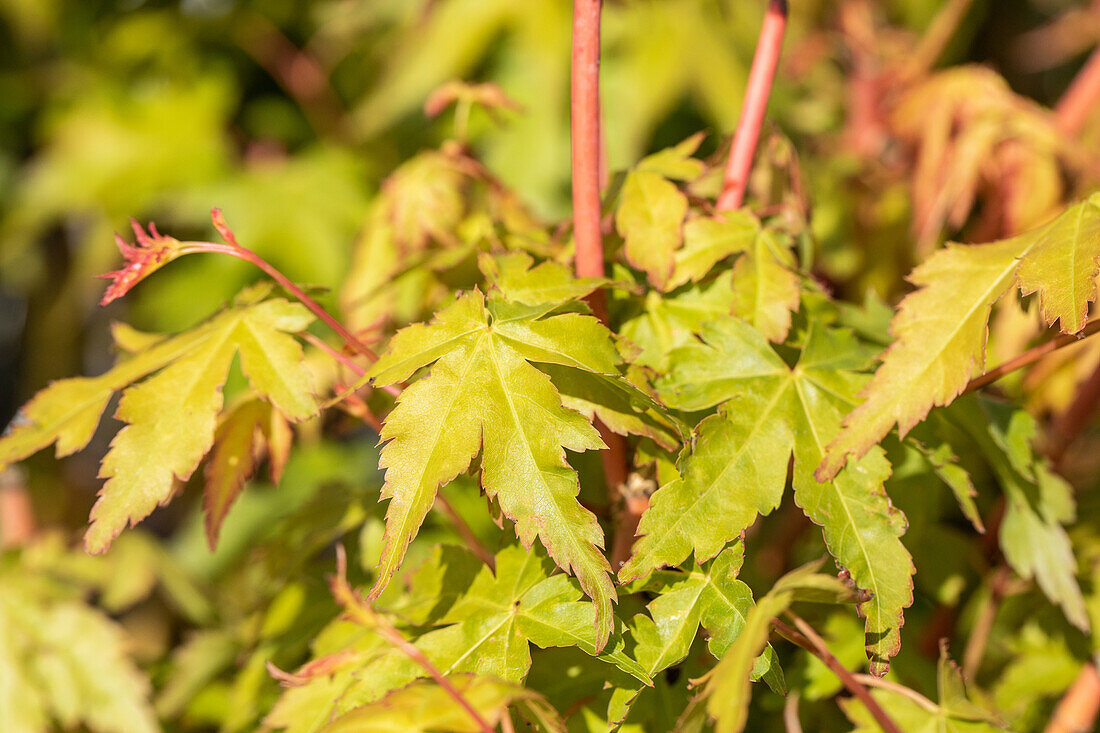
<point x="586" y="170"/>
<point x="1080" y="97"/>
<point x="585" y="137"/>
<point x="1079" y="707"/>
<point x="360" y="612"/>
<point x="916" y="697"/>
<point x="809" y="640"/>
<point x="761" y="75"/>
<point x="1031" y="356"/>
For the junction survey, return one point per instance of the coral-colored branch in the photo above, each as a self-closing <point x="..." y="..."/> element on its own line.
<point x="764" y="63"/>
<point x="1079" y="708"/>
<point x="1031" y="356"/>
<point x="1080" y="98"/>
<point x="586" y="162"/>
<point x="360" y="612"/>
<point x="585" y="136"/>
<point x="809" y="640"/>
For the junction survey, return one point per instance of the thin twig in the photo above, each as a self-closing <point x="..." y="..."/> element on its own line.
<point x="809" y="640"/>
<point x="1068" y="426"/>
<point x="764" y="63"/>
<point x="236" y="250"/>
<point x="894" y="687"/>
<point x="360" y="612"/>
<point x="1078" y="709"/>
<point x="335" y="354"/>
<point x="983" y="624"/>
<point x="790" y="713"/>
<point x="464" y="531"/>
<point x="1031" y="356"/>
<point x="1080" y="98"/>
<point x="295" y="70"/>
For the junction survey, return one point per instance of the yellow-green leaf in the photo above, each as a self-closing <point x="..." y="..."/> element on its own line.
<point x="649" y="219"/>
<point x="941" y="328"/>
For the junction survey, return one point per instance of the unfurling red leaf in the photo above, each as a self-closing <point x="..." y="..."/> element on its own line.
<point x="484" y="394"/>
<point x="941" y="328"/>
<point x="738" y="469"/>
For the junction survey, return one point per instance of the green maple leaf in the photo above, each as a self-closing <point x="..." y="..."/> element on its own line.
<point x="727" y="690"/>
<point x="670" y="321"/>
<point x="650" y="218"/>
<point x="548" y="282"/>
<point x="956" y="711"/>
<point x="246" y="433"/>
<point x="487" y="627"/>
<point x="482" y="393"/>
<point x="763" y="280"/>
<point x="941" y="328"/>
<point x="171" y="417"/>
<point x="738" y="469"/>
<point x="709" y="596"/>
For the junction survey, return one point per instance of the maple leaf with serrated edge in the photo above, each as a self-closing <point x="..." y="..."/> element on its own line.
<point x="482" y="393"/>
<point x="487" y="627"/>
<point x="763" y="281"/>
<point x="709" y="596"/>
<point x="738" y="469"/>
<point x="649" y="219"/>
<point x="172" y="416"/>
<point x="517" y="281"/>
<point x="1037" y="501"/>
<point x="941" y="328"/>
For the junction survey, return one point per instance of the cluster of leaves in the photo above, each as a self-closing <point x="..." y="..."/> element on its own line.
<point x="757" y="423"/>
<point x="732" y="376"/>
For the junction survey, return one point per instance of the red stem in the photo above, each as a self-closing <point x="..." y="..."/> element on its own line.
<point x="764" y="63"/>
<point x="809" y="640"/>
<point x="585" y="131"/>
<point x="236" y="250"/>
<point x="1030" y="356"/>
<point x="1080" y="98"/>
<point x="586" y="161"/>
